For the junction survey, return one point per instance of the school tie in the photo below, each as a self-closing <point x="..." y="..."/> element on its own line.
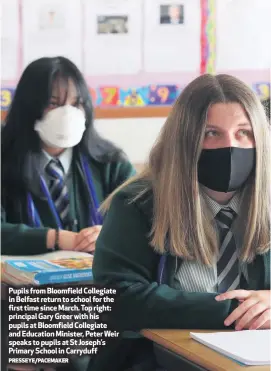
<point x="59" y="190"/>
<point x="228" y="277"/>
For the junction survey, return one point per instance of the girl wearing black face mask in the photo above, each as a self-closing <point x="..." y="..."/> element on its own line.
<point x="196" y="220"/>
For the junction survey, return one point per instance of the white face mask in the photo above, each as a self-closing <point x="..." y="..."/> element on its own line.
<point x="62" y="127"/>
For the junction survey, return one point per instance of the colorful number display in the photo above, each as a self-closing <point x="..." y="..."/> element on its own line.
<point x="159" y="95"/>
<point x="180" y="88"/>
<point x="162" y="94"/>
<point x="262" y="89"/>
<point x="94" y="97"/>
<point x="109" y="96"/>
<point x="134" y="97"/>
<point x="6" y="98"/>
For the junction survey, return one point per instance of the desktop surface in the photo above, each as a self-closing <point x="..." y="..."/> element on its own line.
<point x="179" y="345"/>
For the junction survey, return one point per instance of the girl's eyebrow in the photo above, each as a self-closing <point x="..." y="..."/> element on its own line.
<point x="245" y="124"/>
<point x="212" y="126"/>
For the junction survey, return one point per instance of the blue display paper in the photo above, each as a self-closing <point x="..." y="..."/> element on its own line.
<point x="162" y="95"/>
<point x="134" y="97"/>
<point x="262" y="89"/>
<point x="6" y="98"/>
<point x="97" y="97"/>
<point x="179" y="90"/>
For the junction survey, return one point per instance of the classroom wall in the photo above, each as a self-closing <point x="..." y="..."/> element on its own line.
<point x="222" y="36"/>
<point x="135" y="136"/>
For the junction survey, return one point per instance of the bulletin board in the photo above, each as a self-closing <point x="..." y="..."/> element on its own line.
<point x="136" y="55"/>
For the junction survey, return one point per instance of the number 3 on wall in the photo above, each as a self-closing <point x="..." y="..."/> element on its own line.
<point x="6" y="98"/>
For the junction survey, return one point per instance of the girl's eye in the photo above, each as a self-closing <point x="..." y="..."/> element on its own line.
<point x="246" y="133"/>
<point x="78" y="104"/>
<point x="211" y="133"/>
<point x="53" y="104"/>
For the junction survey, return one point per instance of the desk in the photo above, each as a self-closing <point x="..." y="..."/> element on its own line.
<point x="187" y="354"/>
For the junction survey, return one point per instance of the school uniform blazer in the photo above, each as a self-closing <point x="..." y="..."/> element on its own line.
<point x="18" y="238"/>
<point x="149" y="297"/>
<point x="124" y="259"/>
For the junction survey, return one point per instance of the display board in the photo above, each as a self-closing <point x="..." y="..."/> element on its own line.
<point x="136" y="55"/>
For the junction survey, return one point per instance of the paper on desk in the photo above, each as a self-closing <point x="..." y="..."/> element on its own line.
<point x="61" y="254"/>
<point x="251" y="347"/>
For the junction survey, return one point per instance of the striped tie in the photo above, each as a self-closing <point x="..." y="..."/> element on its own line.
<point x="59" y="190"/>
<point x="228" y="277"/>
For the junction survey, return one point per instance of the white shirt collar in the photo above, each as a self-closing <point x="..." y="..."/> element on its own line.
<point x="65" y="159"/>
<point x="215" y="207"/>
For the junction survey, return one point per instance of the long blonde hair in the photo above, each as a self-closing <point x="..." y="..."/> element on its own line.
<point x="171" y="174"/>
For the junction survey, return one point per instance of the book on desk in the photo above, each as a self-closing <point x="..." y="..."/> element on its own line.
<point x="248" y="347"/>
<point x="50" y="268"/>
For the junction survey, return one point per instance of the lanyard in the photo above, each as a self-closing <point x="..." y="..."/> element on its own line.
<point x="94" y="204"/>
<point x="161" y="268"/>
<point x="95" y="217"/>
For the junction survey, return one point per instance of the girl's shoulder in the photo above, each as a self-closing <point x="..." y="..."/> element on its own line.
<point x="114" y="172"/>
<point x="140" y="194"/>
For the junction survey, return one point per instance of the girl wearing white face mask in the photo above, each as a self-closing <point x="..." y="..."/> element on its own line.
<point x="56" y="169"/>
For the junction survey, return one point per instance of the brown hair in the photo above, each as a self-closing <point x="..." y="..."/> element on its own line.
<point x="171" y="174"/>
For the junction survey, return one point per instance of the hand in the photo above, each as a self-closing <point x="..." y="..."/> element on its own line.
<point x="253" y="325"/>
<point x="66" y="239"/>
<point x="253" y="311"/>
<point x="86" y="238"/>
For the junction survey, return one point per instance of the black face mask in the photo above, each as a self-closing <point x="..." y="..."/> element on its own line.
<point x="225" y="169"/>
